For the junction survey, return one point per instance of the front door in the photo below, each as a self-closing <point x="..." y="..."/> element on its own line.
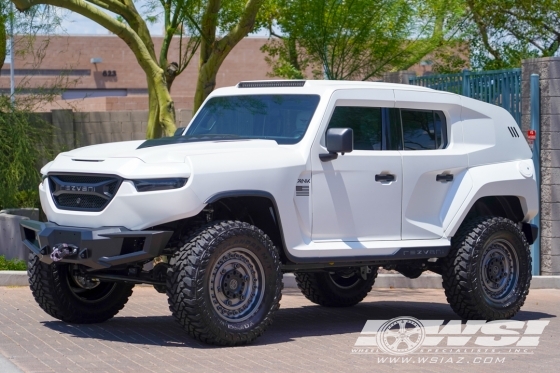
<point x="357" y="197"/>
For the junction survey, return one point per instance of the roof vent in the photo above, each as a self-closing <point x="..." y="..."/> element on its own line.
<point x="272" y="84"/>
<point x="513" y="132"/>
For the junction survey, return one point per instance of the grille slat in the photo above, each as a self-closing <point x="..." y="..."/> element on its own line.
<point x="83" y="192"/>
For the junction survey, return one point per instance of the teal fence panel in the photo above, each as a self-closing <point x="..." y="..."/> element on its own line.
<point x="498" y="87"/>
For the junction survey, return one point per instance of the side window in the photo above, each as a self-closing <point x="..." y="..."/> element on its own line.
<point x="423" y="130"/>
<point x="366" y="122"/>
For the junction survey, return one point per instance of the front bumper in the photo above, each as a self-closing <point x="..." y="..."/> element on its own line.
<point x="98" y="248"/>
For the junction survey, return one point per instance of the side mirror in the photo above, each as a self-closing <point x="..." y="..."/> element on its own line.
<point x="179" y="131"/>
<point x="338" y="140"/>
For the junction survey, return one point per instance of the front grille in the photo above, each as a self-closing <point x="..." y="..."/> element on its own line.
<point x="84" y="201"/>
<point x="83" y="192"/>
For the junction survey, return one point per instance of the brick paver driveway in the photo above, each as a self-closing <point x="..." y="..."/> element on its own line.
<point x="304" y="337"/>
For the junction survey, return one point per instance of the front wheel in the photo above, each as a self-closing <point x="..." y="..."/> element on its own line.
<point x="341" y="288"/>
<point x="488" y="271"/>
<point x="225" y="284"/>
<point x="72" y="298"/>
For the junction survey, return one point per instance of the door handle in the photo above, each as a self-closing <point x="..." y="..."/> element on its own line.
<point x="385" y="178"/>
<point x="444" y="177"/>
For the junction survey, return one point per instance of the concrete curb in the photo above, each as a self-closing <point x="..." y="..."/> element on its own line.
<point x="13" y="278"/>
<point x="6" y="366"/>
<point x="384" y="281"/>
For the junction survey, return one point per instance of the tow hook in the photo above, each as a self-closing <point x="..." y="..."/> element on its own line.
<point x="62" y="251"/>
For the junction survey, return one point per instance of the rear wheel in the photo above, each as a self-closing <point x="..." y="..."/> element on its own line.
<point x="488" y="272"/>
<point x="342" y="288"/>
<point x="74" y="299"/>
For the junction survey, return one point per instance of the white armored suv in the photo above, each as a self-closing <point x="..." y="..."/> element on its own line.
<point x="329" y="180"/>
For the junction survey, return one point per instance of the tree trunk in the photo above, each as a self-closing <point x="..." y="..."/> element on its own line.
<point x="161" y="119"/>
<point x="2" y="40"/>
<point x="206" y="82"/>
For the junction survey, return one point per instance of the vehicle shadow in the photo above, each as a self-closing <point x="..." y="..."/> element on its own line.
<point x="289" y="323"/>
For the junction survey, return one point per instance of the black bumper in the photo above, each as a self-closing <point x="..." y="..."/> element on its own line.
<point x="98" y="248"/>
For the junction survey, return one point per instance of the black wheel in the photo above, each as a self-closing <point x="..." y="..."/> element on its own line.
<point x="488" y="271"/>
<point x="74" y="299"/>
<point x="225" y="284"/>
<point x="342" y="288"/>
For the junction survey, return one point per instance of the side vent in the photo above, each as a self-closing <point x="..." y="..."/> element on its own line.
<point x="272" y="84"/>
<point x="513" y="132"/>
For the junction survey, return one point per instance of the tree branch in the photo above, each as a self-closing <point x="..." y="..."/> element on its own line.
<point x="483" y="32"/>
<point x="127" y="10"/>
<point x="143" y="55"/>
<point x="243" y="27"/>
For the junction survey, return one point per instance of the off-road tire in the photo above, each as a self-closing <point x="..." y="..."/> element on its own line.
<point x="321" y="289"/>
<point x="193" y="273"/>
<point x="465" y="276"/>
<point x="52" y="286"/>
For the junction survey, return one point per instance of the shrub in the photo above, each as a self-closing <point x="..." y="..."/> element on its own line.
<point x="23" y="149"/>
<point x="12" y="264"/>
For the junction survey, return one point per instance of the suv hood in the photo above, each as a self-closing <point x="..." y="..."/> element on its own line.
<point x="173" y="153"/>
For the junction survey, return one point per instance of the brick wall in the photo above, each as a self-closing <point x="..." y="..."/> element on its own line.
<point x="549" y="71"/>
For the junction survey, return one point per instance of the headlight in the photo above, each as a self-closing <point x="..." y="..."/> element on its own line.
<point x="150" y="185"/>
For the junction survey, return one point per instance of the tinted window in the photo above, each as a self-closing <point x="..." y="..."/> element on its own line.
<point x="423" y="130"/>
<point x="366" y="122"/>
<point x="283" y="118"/>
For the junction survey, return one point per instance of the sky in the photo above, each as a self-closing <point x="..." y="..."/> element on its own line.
<point x="76" y="24"/>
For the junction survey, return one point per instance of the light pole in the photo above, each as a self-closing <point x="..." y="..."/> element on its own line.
<point x="12" y="80"/>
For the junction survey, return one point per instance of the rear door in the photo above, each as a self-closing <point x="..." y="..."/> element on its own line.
<point x="434" y="160"/>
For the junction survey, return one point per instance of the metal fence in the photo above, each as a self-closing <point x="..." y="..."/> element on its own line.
<point x="498" y="87"/>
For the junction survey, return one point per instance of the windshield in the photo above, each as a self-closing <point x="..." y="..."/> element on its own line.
<point x="283" y="118"/>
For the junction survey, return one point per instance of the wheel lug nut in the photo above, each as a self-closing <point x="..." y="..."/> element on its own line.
<point x="242" y="297"/>
<point x="236" y="265"/>
<point x="219" y="289"/>
<point x="223" y="272"/>
<point x="246" y="278"/>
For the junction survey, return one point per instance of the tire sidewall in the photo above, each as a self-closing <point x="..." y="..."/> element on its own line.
<point x="249" y="240"/>
<point x="78" y="305"/>
<point x="510" y="233"/>
<point x="49" y="284"/>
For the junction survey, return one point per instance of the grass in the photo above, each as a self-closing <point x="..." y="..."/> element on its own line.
<point x="12" y="264"/>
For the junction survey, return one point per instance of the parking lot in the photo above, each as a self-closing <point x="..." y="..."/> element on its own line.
<point x="304" y="337"/>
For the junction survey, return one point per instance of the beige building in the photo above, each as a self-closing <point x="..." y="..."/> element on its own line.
<point x="101" y="73"/>
<point x="117" y="82"/>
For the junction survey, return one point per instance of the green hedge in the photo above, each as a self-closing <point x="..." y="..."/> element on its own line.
<point x="12" y="264"/>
